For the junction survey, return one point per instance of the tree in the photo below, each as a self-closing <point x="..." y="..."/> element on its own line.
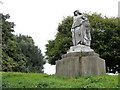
<point x="12" y="58"/>
<point x="56" y="48"/>
<point x="106" y="38"/>
<point x="33" y="55"/>
<point x="9" y="45"/>
<point x="105" y="34"/>
<point x="19" y="54"/>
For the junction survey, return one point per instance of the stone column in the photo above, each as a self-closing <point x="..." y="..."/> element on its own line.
<point x="119" y="9"/>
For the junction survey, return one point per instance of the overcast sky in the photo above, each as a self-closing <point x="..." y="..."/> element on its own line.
<point x="40" y="18"/>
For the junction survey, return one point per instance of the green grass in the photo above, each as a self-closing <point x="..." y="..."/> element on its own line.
<point x="39" y="80"/>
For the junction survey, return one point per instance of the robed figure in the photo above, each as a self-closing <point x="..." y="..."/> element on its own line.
<point x="80" y="30"/>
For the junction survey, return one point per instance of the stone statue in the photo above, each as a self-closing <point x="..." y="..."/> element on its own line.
<point x="80" y="30"/>
<point x="80" y="59"/>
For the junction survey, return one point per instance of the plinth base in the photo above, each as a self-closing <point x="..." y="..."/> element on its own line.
<point x="80" y="48"/>
<point x="80" y="64"/>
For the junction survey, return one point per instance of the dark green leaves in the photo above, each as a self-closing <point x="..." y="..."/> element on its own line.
<point x="19" y="54"/>
<point x="56" y="48"/>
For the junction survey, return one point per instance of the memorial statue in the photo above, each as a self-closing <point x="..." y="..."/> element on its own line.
<point x="80" y="59"/>
<point x="80" y="30"/>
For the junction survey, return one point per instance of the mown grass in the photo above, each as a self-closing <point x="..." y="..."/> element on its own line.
<point x="40" y="80"/>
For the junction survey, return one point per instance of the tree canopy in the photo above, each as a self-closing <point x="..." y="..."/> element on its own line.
<point x="63" y="41"/>
<point x="9" y="45"/>
<point x="19" y="52"/>
<point x="34" y="59"/>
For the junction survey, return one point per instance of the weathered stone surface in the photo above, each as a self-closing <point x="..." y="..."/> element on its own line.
<point x="80" y="29"/>
<point x="80" y="48"/>
<point x="80" y="64"/>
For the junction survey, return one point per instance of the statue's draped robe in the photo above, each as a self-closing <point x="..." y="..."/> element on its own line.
<point x="81" y="31"/>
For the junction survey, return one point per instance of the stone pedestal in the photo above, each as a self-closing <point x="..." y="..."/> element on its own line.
<point x="80" y="48"/>
<point x="80" y="64"/>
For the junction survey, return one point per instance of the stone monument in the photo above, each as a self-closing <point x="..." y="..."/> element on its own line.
<point x="80" y="60"/>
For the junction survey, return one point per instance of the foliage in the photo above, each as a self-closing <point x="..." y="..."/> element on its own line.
<point x="33" y="56"/>
<point x="106" y="38"/>
<point x="37" y="80"/>
<point x="19" y="54"/>
<point x="56" y="48"/>
<point x="9" y="45"/>
<point x="105" y="34"/>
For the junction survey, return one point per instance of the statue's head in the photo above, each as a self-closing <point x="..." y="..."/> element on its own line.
<point x="77" y="12"/>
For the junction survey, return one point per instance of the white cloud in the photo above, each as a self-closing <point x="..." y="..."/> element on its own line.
<point x="49" y="69"/>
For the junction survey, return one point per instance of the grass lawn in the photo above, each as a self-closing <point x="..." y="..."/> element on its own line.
<point x="40" y="80"/>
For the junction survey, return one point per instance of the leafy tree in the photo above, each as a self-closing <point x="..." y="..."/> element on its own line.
<point x="105" y="34"/>
<point x="106" y="38"/>
<point x="19" y="54"/>
<point x="0" y="42"/>
<point x="9" y="45"/>
<point x="33" y="56"/>
<point x="56" y="48"/>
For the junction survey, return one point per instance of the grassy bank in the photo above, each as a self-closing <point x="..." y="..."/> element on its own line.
<point x="38" y="80"/>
